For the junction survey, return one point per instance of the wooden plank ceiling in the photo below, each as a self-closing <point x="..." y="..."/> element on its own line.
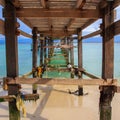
<point x="58" y="18"/>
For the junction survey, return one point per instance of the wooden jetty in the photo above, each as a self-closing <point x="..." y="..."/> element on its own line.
<point x="51" y="19"/>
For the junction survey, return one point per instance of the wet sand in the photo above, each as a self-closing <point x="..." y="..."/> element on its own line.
<point x="56" y="103"/>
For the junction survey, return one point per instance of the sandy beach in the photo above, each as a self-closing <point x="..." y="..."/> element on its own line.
<point x="56" y="103"/>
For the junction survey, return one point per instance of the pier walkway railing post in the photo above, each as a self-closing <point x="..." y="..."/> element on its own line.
<point x="11" y="55"/>
<point x="107" y="93"/>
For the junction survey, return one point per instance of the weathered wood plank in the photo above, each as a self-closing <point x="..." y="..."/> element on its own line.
<point x="57" y="33"/>
<point x="90" y="75"/>
<point x="80" y="3"/>
<point x="25" y="97"/>
<point x="116" y="27"/>
<point x="116" y="3"/>
<point x="34" y="56"/>
<point x="80" y="58"/>
<point x="69" y="13"/>
<point x="25" y="34"/>
<point x="107" y="93"/>
<point x="53" y="81"/>
<point x="43" y="3"/>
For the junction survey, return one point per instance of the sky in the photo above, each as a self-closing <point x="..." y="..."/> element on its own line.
<point x="90" y="29"/>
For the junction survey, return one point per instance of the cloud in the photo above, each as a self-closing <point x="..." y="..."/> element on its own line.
<point x="117" y="13"/>
<point x="93" y="27"/>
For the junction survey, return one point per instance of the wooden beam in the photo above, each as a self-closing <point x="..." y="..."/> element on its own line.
<point x="108" y="44"/>
<point x="116" y="3"/>
<point x="56" y="33"/>
<point x="11" y="98"/>
<point x="107" y="93"/>
<point x="2" y="2"/>
<point x="11" y="56"/>
<point x="27" y="22"/>
<point x="50" y="24"/>
<point x="92" y="34"/>
<point x="80" y="3"/>
<point x="90" y="75"/>
<point x="35" y="49"/>
<point x="2" y="30"/>
<point x="25" y="34"/>
<point x="43" y="3"/>
<point x="52" y="81"/>
<point x="16" y="3"/>
<point x="116" y="27"/>
<point x="80" y="53"/>
<point x="103" y="4"/>
<point x="69" y="13"/>
<point x="70" y="23"/>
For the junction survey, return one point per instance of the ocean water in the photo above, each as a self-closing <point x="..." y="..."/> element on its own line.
<point x="92" y="58"/>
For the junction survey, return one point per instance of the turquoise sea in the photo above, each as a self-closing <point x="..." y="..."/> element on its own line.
<point x="92" y="58"/>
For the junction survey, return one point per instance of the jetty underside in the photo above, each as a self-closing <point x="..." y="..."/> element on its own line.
<point x="55" y="24"/>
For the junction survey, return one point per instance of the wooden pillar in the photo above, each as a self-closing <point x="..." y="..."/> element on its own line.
<point x="72" y="57"/>
<point x="67" y="50"/>
<point x="49" y="48"/>
<point x="68" y="42"/>
<point x="72" y="53"/>
<point x="41" y="51"/>
<point x="107" y="93"/>
<point x="34" y="55"/>
<point x="80" y="59"/>
<point x="11" y="55"/>
<point x="45" y="51"/>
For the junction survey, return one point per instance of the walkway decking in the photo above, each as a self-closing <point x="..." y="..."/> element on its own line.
<point x="57" y="61"/>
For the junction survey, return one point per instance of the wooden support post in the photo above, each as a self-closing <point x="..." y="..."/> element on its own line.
<point x="41" y="52"/>
<point x="68" y="43"/>
<point x="45" y="50"/>
<point x="72" y="57"/>
<point x="49" y="48"/>
<point x="80" y="65"/>
<point x="67" y="51"/>
<point x="107" y="93"/>
<point x="11" y="55"/>
<point x="34" y="56"/>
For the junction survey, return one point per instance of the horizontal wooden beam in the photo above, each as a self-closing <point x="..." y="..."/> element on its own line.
<point x="116" y="26"/>
<point x="92" y="34"/>
<point x="25" y="34"/>
<point x="25" y="97"/>
<point x="80" y="3"/>
<point x="2" y="2"/>
<point x="2" y="30"/>
<point x="27" y="22"/>
<point x="52" y="81"/>
<point x="116" y="3"/>
<point x="90" y="75"/>
<point x="69" y="13"/>
<point x="56" y="33"/>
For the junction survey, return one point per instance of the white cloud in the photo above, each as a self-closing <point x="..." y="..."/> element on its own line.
<point x="117" y="13"/>
<point x="94" y="27"/>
